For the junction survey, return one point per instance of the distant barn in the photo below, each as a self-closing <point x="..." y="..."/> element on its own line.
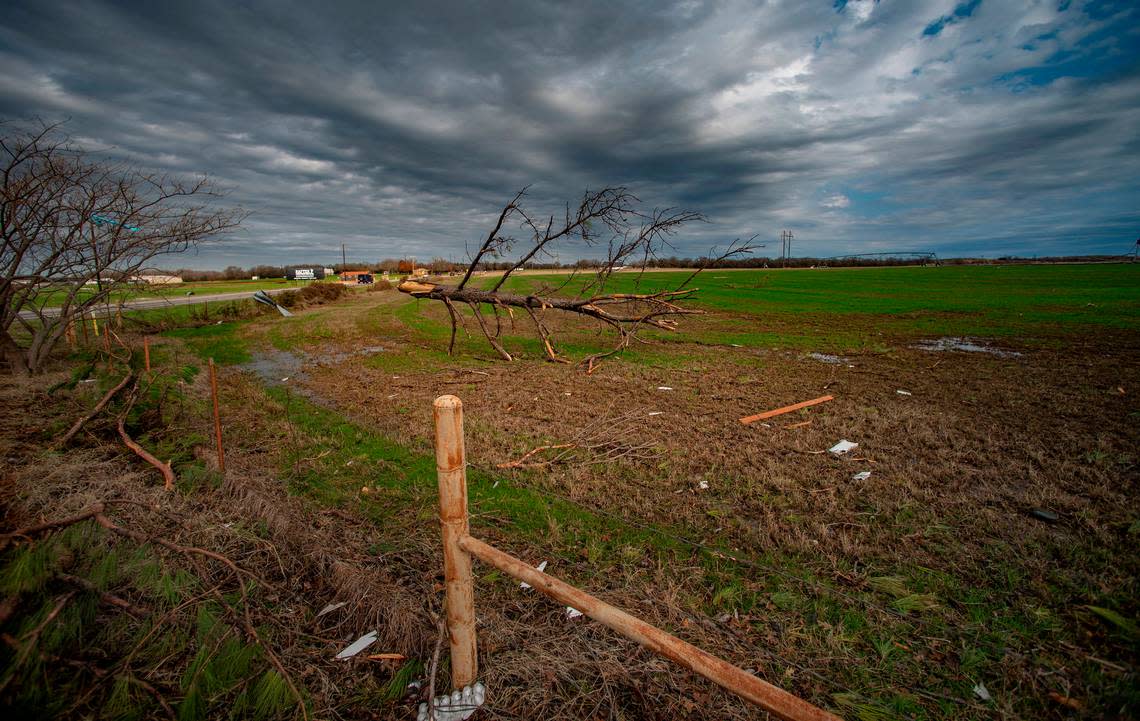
<point x="157" y="279"/>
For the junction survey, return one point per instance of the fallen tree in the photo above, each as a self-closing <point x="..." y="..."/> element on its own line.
<point x="605" y="218"/>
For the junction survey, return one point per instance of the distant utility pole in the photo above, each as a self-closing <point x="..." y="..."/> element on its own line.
<point x="785" y="246"/>
<point x="343" y="262"/>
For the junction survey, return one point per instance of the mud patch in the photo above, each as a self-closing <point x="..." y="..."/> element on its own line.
<point x="275" y="367"/>
<point x="828" y="358"/>
<point x="334" y="357"/>
<point x="965" y="345"/>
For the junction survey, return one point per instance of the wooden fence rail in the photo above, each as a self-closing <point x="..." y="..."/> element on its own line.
<point x="459" y="547"/>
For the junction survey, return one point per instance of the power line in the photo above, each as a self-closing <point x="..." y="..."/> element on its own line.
<point x="785" y="246"/>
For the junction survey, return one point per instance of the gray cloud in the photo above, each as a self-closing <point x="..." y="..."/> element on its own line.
<point x="402" y="129"/>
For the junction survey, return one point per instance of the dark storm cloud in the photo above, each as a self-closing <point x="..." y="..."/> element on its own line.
<point x="402" y="129"/>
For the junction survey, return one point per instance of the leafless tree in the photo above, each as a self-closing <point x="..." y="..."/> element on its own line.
<point x="607" y="219"/>
<point x="76" y="229"/>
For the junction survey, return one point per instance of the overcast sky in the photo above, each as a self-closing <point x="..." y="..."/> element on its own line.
<point x="976" y="128"/>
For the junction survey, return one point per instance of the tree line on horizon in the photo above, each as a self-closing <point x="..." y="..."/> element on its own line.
<point x="442" y="266"/>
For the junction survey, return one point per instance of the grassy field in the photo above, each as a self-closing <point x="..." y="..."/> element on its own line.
<point x="839" y="306"/>
<point x="897" y="595"/>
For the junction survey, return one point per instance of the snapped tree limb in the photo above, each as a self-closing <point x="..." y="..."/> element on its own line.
<point x="609" y="218"/>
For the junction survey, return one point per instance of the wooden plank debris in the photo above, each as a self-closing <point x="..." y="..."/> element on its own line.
<point x="786" y="409"/>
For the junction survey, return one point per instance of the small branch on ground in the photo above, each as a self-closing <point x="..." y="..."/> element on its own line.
<point x="108" y="598"/>
<point x="164" y="468"/>
<point x="78" y="425"/>
<point x="603" y="441"/>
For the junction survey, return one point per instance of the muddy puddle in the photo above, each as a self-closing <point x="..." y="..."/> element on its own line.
<point x="965" y="345"/>
<point x="287" y="368"/>
<point x="275" y="367"/>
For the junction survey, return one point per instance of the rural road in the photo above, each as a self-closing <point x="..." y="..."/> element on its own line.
<point x="145" y="303"/>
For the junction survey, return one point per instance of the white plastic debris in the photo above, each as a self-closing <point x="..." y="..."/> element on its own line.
<point x="330" y="608"/>
<point x="456" y="706"/>
<point x="357" y="646"/>
<point x="904" y="393"/>
<point x="664" y="388"/>
<point x="982" y="692"/>
<point x="703" y="485"/>
<point x="656" y="413"/>
<point x="572" y="612"/>
<point x="842" y="447"/>
<point x="285" y="379"/>
<point x="541" y="567"/>
<point x="495" y="484"/>
<point x="861" y="476"/>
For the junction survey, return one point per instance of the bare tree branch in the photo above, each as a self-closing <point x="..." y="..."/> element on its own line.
<point x="75" y="231"/>
<point x="608" y="218"/>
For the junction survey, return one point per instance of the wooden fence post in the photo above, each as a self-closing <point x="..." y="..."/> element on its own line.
<point x="459" y="548"/>
<point x="146" y="351"/>
<point x="451" y="469"/>
<point x="217" y="417"/>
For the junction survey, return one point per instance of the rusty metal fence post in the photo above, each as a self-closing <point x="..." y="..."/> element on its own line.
<point x="217" y="417"/>
<point x="451" y="470"/>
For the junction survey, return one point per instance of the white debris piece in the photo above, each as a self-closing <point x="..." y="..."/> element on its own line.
<point x="904" y="393"/>
<point x="842" y="447"/>
<point x="703" y="485"/>
<point x="330" y="608"/>
<point x="656" y="413"/>
<point x="456" y="706"/>
<point x="357" y="646"/>
<point x="572" y="612"/>
<point x="541" y="567"/>
<point x="664" y="388"/>
<point x="861" y="476"/>
<point x="982" y="692"/>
